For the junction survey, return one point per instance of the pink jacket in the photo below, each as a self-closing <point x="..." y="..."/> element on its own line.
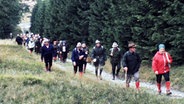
<point x="160" y="62"/>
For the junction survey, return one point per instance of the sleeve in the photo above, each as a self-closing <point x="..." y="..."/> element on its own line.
<point x="110" y="52"/>
<point x="139" y="61"/>
<point x="42" y="53"/>
<point x="73" y="56"/>
<point x="85" y="55"/>
<point x="169" y="58"/>
<point x="104" y="55"/>
<point x="124" y="60"/>
<point x="93" y="54"/>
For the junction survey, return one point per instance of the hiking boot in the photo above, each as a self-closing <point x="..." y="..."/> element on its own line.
<point x="168" y="93"/>
<point x="159" y="92"/>
<point x="127" y="85"/>
<point x="100" y="77"/>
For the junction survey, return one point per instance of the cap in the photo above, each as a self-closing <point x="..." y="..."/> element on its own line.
<point x="78" y="44"/>
<point x="131" y="45"/>
<point x="97" y="41"/>
<point x="161" y="46"/>
<point x="114" y="45"/>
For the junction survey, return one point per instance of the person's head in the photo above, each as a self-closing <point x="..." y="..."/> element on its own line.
<point x="46" y="42"/>
<point x="161" y="48"/>
<point x="132" y="46"/>
<point x="55" y="42"/>
<point x="114" y="45"/>
<point x="97" y="42"/>
<point x="79" y="45"/>
<point x="63" y="42"/>
<point x="83" y="45"/>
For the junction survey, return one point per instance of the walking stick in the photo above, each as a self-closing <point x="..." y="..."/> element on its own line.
<point x="125" y="75"/>
<point x="127" y="85"/>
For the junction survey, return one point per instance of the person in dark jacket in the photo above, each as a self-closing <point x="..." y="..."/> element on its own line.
<point x="115" y="59"/>
<point x="99" y="57"/>
<point x="55" y="45"/>
<point x="19" y="40"/>
<point x="77" y="59"/>
<point x="131" y="64"/>
<point x="47" y="53"/>
<point x="38" y="46"/>
<point x="63" y="51"/>
<point x="86" y="51"/>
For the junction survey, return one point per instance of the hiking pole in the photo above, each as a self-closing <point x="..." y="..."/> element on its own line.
<point x="125" y="75"/>
<point x="125" y="69"/>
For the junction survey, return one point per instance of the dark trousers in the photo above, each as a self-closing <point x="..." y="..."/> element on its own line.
<point x="114" y="72"/>
<point x="159" y="77"/>
<point x="80" y="66"/>
<point x="48" y="63"/>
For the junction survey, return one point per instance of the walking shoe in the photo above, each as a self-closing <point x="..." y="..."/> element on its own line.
<point x="168" y="93"/>
<point x="100" y="77"/>
<point x="127" y="85"/>
<point x="159" y="92"/>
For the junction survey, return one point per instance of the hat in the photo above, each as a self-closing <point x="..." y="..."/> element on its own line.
<point x="161" y="46"/>
<point x="46" y="40"/>
<point x="131" y="45"/>
<point x="78" y="44"/>
<point x="97" y="41"/>
<point x="114" y="45"/>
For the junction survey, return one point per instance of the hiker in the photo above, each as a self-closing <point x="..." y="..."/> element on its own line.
<point x="63" y="51"/>
<point x="31" y="45"/>
<point x="19" y="40"/>
<point x="77" y="59"/>
<point x="38" y="46"/>
<point x="11" y="36"/>
<point x="55" y="45"/>
<point x="131" y="64"/>
<point x="46" y="54"/>
<point x="86" y="51"/>
<point x="161" y="67"/>
<point x="99" y="57"/>
<point x="115" y="59"/>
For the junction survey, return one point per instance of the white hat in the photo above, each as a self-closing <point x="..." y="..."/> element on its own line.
<point x="78" y="44"/>
<point x="97" y="41"/>
<point x="46" y="40"/>
<point x="114" y="45"/>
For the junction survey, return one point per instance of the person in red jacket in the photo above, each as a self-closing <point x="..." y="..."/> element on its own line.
<point x="161" y="67"/>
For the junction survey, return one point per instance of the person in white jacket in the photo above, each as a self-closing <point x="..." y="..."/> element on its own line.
<point x="31" y="45"/>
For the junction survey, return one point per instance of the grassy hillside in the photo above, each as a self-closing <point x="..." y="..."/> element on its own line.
<point x="24" y="81"/>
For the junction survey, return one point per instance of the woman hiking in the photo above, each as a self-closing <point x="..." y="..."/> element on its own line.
<point x="161" y="67"/>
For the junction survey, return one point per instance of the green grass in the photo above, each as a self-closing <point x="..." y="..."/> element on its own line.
<point x="24" y="81"/>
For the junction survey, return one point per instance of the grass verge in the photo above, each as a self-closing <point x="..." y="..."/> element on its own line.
<point x="23" y="81"/>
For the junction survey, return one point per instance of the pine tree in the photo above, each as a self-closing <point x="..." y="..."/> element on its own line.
<point x="10" y="14"/>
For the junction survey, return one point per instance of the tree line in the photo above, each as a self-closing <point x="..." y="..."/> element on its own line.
<point x="146" y="22"/>
<point x="10" y="14"/>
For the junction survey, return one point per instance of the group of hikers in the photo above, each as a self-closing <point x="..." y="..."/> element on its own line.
<point x="130" y="60"/>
